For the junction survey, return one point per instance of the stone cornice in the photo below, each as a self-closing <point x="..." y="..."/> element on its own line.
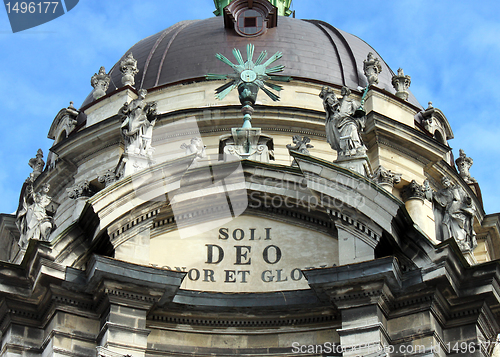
<point x="221" y="119"/>
<point x="368" y="236"/>
<point x="103" y="268"/>
<point x="141" y="221"/>
<point x="384" y="269"/>
<point x="278" y="321"/>
<point x="349" y="191"/>
<point x="405" y="139"/>
<point x="76" y="147"/>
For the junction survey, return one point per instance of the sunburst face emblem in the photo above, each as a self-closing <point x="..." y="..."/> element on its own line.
<point x="250" y="72"/>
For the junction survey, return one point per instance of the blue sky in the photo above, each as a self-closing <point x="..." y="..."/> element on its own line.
<point x="451" y="49"/>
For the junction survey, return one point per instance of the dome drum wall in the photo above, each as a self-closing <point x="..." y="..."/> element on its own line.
<point x="212" y="122"/>
<point x="109" y="105"/>
<point x="182" y="101"/>
<point x="301" y="95"/>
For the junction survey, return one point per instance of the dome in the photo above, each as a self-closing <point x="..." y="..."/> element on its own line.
<point x="312" y="51"/>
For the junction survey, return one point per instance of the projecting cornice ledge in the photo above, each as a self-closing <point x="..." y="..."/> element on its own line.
<point x="386" y="269"/>
<point x="410" y="141"/>
<point x="144" y="279"/>
<point x="346" y="191"/>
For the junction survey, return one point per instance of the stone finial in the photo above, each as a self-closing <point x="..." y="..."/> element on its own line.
<point x="401" y="83"/>
<point x="128" y="67"/>
<point x="463" y="164"/>
<point x="385" y="177"/>
<point x="372" y="68"/>
<point x="413" y="191"/>
<point x="71" y="109"/>
<point x="100" y="82"/>
<point x="69" y="122"/>
<point x="81" y="189"/>
<point x="37" y="164"/>
<point x="195" y="147"/>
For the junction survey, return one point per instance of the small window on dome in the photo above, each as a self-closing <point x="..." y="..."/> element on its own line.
<point x="250" y="22"/>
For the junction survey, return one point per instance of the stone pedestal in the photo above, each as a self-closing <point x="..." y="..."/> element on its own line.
<point x="131" y="163"/>
<point x="359" y="164"/>
<point x="19" y="256"/>
<point x="246" y="144"/>
<point x="470" y="257"/>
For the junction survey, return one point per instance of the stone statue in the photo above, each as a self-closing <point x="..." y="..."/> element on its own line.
<point x="100" y="82"/>
<point x="372" y="68"/>
<point x="301" y="144"/>
<point x="138" y="119"/>
<point x="343" y="127"/>
<point x="33" y="220"/>
<point x="37" y="164"/>
<point x="454" y="215"/>
<point x="464" y="163"/>
<point x="195" y="147"/>
<point x="128" y="67"/>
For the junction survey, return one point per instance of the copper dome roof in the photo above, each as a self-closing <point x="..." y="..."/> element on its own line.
<point x="312" y="50"/>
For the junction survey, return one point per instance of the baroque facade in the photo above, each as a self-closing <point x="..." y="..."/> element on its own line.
<point x="313" y="207"/>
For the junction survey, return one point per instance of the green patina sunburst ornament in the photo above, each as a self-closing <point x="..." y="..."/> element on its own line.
<point x="249" y="76"/>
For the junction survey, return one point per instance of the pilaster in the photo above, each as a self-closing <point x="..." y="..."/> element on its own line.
<point x="362" y="293"/>
<point x="124" y="327"/>
<point x="413" y="196"/>
<point x="124" y="294"/>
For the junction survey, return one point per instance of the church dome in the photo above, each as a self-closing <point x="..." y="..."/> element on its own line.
<point x="167" y="223"/>
<point x="313" y="51"/>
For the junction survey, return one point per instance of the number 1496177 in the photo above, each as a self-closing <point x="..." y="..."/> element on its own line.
<point x="42" y="7"/>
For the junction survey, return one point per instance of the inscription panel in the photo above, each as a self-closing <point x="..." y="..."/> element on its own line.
<point x="248" y="254"/>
